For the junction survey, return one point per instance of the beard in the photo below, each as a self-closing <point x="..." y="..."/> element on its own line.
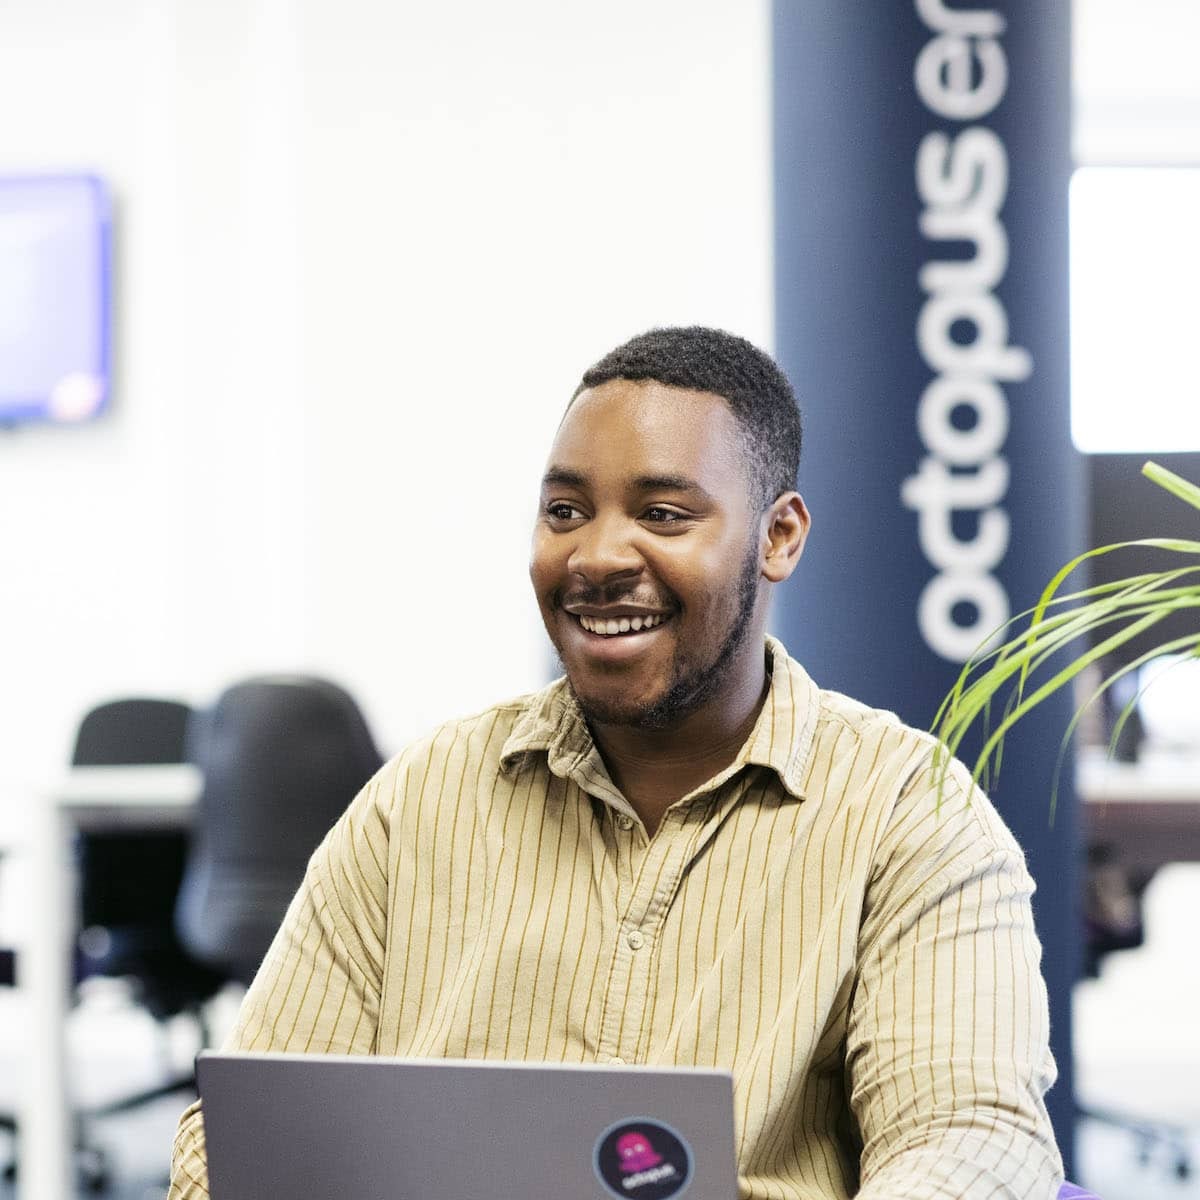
<point x="692" y="684"/>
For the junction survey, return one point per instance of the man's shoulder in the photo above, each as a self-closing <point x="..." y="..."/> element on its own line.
<point x="839" y="712"/>
<point x="918" y="776"/>
<point x="818" y="739"/>
<point x="837" y="715"/>
<point x="877" y="748"/>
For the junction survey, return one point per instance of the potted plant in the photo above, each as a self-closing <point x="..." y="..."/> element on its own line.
<point x="1048" y="646"/>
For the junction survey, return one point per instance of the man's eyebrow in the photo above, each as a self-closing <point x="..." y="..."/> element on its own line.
<point x="668" y="483"/>
<point x="564" y="477"/>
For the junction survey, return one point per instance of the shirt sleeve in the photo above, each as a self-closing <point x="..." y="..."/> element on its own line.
<point x="948" y="1055"/>
<point x="318" y="988"/>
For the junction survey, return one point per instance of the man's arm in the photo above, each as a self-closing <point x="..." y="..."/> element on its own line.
<point x="318" y="988"/>
<point x="948" y="1042"/>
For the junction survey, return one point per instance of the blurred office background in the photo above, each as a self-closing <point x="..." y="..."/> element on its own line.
<point x="361" y="254"/>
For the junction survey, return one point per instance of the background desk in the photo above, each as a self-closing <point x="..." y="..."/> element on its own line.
<point x="83" y="798"/>
<point x="1149" y="811"/>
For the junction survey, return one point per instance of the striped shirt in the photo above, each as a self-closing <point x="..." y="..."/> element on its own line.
<point x="853" y="943"/>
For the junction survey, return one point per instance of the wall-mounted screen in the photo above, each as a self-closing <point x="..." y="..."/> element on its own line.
<point x="54" y="298"/>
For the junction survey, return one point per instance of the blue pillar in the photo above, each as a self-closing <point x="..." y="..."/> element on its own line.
<point x="922" y="164"/>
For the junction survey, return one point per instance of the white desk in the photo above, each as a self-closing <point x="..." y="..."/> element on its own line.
<point x="108" y="798"/>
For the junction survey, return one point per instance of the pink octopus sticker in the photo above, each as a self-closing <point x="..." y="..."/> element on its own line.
<point x="644" y="1159"/>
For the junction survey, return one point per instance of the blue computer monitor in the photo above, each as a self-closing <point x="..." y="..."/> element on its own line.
<point x="55" y="317"/>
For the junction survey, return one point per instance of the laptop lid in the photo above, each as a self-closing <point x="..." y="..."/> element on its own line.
<point x="320" y="1127"/>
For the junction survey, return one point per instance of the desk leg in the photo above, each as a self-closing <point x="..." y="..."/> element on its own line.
<point x="45" y="1125"/>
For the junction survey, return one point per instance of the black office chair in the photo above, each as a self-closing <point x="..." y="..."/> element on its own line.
<point x="128" y="884"/>
<point x="129" y="881"/>
<point x="8" y="976"/>
<point x="283" y="757"/>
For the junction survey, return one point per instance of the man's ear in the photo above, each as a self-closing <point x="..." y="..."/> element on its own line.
<point x="785" y="529"/>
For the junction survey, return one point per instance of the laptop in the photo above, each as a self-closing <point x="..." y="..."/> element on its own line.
<point x="320" y="1127"/>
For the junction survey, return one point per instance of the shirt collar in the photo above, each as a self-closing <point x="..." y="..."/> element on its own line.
<point x="782" y="737"/>
<point x="781" y="740"/>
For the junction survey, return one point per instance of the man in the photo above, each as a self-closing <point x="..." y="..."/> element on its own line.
<point x="684" y="852"/>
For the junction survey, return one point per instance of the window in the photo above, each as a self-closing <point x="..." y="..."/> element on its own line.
<point x="1135" y="309"/>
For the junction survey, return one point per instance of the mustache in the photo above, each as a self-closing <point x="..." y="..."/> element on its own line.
<point x="610" y="596"/>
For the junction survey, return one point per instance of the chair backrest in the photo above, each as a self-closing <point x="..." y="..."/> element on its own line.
<point x="282" y="757"/>
<point x="129" y="878"/>
<point x="133" y="732"/>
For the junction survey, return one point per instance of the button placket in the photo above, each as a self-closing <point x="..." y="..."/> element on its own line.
<point x="666" y="858"/>
<point x="626" y="857"/>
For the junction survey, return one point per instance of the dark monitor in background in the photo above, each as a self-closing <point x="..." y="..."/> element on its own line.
<point x="1124" y="505"/>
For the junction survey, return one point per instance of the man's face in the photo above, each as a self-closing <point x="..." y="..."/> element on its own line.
<point x="645" y="553"/>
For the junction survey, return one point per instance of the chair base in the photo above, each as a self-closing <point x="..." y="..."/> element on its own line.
<point x="181" y="1083"/>
<point x="1151" y="1137"/>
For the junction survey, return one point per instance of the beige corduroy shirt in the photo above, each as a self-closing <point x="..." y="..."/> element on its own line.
<point x="858" y="950"/>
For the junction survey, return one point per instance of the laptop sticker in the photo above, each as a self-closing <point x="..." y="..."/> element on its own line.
<point x="642" y="1159"/>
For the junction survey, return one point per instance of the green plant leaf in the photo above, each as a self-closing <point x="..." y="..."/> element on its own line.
<point x="1009" y="665"/>
<point x="1176" y="484"/>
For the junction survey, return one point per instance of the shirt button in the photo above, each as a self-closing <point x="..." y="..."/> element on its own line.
<point x="616" y="1061"/>
<point x="625" y="822"/>
<point x="635" y="940"/>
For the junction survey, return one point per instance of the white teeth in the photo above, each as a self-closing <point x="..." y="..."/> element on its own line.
<point x="618" y="625"/>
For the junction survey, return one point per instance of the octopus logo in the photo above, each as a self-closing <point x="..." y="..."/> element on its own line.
<point x="643" y="1159"/>
<point x="634" y="1152"/>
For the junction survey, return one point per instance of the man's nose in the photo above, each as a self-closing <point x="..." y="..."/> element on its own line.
<point x="604" y="550"/>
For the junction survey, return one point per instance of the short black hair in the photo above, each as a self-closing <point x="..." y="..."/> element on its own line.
<point x="747" y="379"/>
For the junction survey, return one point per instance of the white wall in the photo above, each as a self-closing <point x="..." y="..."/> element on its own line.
<point x="1136" y="84"/>
<point x="364" y="252"/>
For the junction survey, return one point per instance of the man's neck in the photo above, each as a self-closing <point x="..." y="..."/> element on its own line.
<point x="656" y="767"/>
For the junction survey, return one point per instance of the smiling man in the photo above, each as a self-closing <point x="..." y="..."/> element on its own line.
<point x="684" y="852"/>
<point x="663" y="518"/>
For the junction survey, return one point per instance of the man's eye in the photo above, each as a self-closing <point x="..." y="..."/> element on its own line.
<point x="658" y="515"/>
<point x="561" y="511"/>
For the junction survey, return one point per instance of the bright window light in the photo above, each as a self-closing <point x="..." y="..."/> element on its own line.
<point x="1135" y="309"/>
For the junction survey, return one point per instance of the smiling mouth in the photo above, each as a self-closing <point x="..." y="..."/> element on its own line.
<point x="616" y="626"/>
